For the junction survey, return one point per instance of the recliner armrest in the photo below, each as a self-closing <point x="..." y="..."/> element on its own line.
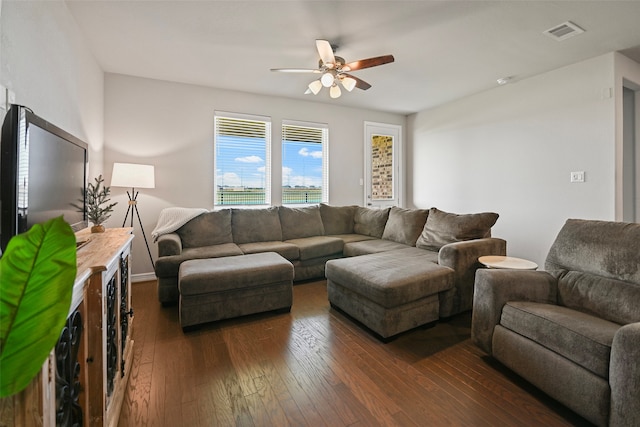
<point x="493" y="288"/>
<point x="624" y="376"/>
<point x="169" y="244"/>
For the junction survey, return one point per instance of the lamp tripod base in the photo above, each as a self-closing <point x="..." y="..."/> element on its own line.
<point x="133" y="207"/>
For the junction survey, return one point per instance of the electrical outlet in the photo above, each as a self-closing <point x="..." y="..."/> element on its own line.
<point x="577" y="176"/>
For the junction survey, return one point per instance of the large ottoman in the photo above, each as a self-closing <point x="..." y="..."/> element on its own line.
<point x="221" y="288"/>
<point x="389" y="293"/>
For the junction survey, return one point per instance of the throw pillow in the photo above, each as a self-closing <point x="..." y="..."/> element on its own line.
<point x="370" y="222"/>
<point x="300" y="222"/>
<point x="208" y="229"/>
<point x="443" y="228"/>
<point x="405" y="225"/>
<point x="337" y="219"/>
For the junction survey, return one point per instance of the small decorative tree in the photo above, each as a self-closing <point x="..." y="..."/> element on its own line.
<point x="95" y="197"/>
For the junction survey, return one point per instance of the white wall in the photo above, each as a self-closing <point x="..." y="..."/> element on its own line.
<point x="170" y="125"/>
<point x="627" y="74"/>
<point x="45" y="61"/>
<point x="511" y="150"/>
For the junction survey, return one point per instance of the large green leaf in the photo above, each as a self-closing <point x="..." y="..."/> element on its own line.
<point x="37" y="273"/>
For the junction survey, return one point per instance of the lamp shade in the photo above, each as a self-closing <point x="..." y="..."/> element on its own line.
<point x="348" y="83"/>
<point x="133" y="175"/>
<point x="315" y="86"/>
<point x="335" y="91"/>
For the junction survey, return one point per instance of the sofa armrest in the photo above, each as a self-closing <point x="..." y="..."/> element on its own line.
<point x="494" y="288"/>
<point x="462" y="257"/>
<point x="169" y="244"/>
<point x="624" y="376"/>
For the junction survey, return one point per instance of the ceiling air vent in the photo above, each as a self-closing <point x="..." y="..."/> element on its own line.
<point x="564" y="31"/>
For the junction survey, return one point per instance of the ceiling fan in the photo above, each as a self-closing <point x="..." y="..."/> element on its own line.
<point x="335" y="70"/>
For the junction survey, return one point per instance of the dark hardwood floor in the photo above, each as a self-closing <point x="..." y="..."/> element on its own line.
<point x="316" y="367"/>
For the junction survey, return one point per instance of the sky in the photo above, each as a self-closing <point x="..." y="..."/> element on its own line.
<point x="241" y="162"/>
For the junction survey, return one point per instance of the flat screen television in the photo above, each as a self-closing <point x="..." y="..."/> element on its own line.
<point x="43" y="174"/>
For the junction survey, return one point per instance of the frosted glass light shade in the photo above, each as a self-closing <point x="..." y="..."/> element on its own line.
<point x="327" y="79"/>
<point x="335" y="91"/>
<point x="315" y="86"/>
<point x="348" y="83"/>
<point x="133" y="175"/>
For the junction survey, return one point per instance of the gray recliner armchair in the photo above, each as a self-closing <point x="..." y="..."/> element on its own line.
<point x="573" y="330"/>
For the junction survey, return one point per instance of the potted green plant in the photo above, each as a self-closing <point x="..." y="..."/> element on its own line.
<point x="98" y="208"/>
<point x="37" y="272"/>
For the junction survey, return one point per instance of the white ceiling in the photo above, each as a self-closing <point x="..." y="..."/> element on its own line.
<point x="444" y="50"/>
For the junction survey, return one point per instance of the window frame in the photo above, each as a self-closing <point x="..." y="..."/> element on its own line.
<point x="324" y="128"/>
<point x="267" y="161"/>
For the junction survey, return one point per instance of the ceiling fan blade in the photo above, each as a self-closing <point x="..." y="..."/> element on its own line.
<point x="368" y="63"/>
<point x="326" y="53"/>
<point x="296" y="70"/>
<point x="360" y="84"/>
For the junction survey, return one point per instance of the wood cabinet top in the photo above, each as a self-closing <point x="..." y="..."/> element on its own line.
<point x="100" y="249"/>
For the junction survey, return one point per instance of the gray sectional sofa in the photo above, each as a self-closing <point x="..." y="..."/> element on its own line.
<point x="310" y="236"/>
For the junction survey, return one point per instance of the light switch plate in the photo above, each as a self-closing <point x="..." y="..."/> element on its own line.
<point x="577" y="176"/>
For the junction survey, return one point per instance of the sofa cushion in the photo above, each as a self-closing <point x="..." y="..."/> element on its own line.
<point x="610" y="299"/>
<point x="370" y="222"/>
<point x="580" y="337"/>
<point x="366" y="247"/>
<point x="255" y="225"/>
<point x="284" y="249"/>
<point x="405" y="225"/>
<point x="390" y="279"/>
<point x="442" y="228"/>
<point x="168" y="266"/>
<point x="300" y="222"/>
<point x="349" y="238"/>
<point x="317" y="246"/>
<point x="207" y="229"/>
<point x="337" y="219"/>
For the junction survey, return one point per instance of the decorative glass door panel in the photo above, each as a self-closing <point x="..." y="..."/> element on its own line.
<point x="382" y="168"/>
<point x="382" y="187"/>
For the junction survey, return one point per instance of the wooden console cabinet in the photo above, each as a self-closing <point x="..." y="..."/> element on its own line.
<point x="84" y="379"/>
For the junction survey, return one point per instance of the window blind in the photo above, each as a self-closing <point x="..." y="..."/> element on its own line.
<point x="242" y="160"/>
<point x="305" y="163"/>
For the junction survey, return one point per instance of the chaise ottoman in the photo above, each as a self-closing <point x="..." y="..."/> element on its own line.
<point x="390" y="292"/>
<point x="221" y="288"/>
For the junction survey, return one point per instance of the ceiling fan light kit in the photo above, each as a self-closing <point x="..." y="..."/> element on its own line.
<point x="335" y="91"/>
<point x="315" y="86"/>
<point x="348" y="83"/>
<point x="327" y="79"/>
<point x="334" y="70"/>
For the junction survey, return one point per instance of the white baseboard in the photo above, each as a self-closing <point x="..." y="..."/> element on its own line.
<point x="144" y="277"/>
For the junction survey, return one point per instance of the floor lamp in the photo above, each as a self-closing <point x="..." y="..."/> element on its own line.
<point x="132" y="175"/>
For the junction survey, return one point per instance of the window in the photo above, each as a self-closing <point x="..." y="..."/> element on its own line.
<point x="242" y="159"/>
<point x="305" y="160"/>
